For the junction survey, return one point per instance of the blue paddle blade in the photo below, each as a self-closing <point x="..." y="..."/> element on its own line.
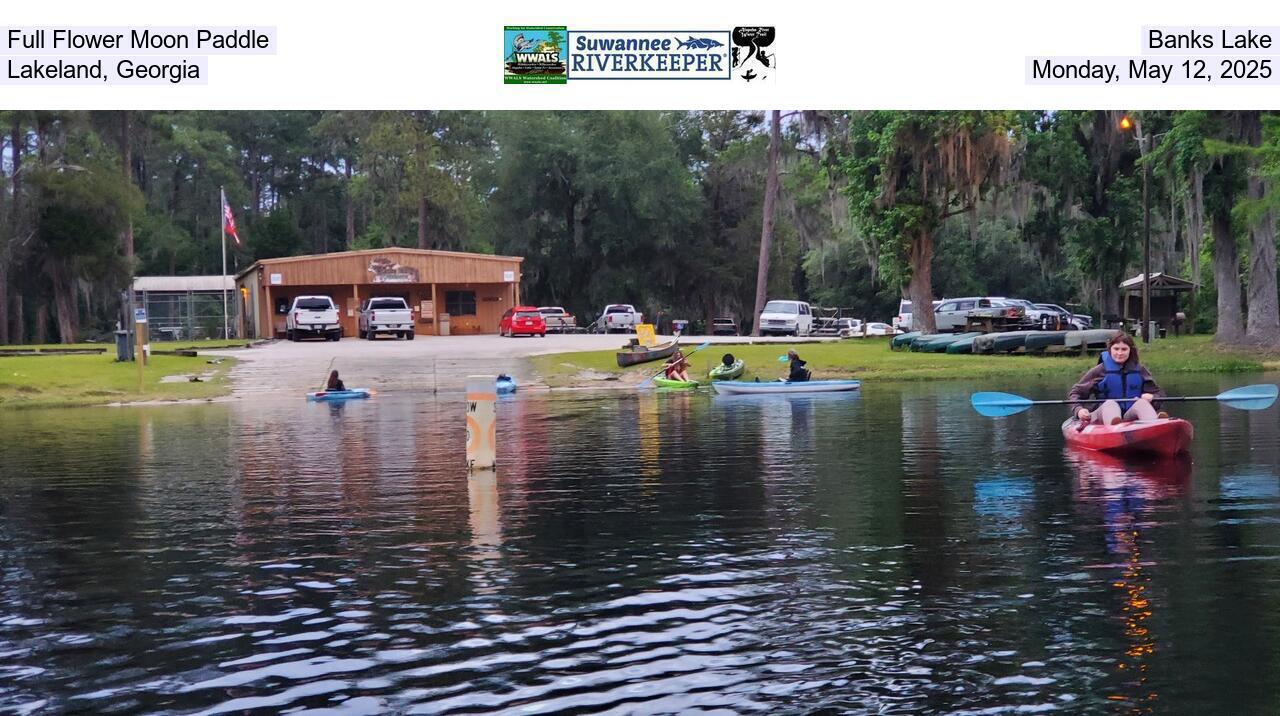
<point x="783" y="359"/>
<point x="998" y="405"/>
<point x="1250" y="397"/>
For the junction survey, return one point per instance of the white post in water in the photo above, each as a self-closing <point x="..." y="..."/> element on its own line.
<point x="481" y="422"/>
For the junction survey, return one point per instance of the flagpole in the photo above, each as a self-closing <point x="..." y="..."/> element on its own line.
<point x="222" y="221"/>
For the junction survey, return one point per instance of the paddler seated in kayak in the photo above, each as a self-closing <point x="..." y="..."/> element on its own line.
<point x="1122" y="382"/>
<point x="799" y="373"/>
<point x="677" y="367"/>
<point x="335" y="383"/>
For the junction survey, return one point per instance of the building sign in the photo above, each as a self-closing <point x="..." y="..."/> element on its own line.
<point x="428" y="309"/>
<point x="509" y="276"/>
<point x="139" y="315"/>
<point x="276" y="279"/>
<point x="386" y="270"/>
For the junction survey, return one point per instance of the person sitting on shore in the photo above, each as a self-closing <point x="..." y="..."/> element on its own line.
<point x="335" y="383"/>
<point x="798" y="373"/>
<point x="728" y="360"/>
<point x="677" y="367"/>
<point x="1122" y="382"/>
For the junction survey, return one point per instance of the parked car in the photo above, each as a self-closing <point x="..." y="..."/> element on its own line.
<point x="880" y="329"/>
<point x="313" y="316"/>
<point x="849" y="327"/>
<point x="788" y="318"/>
<point x="1066" y="319"/>
<point x="902" y="321"/>
<point x="724" y="326"/>
<point x="953" y="314"/>
<point x="1036" y="315"/>
<point x="527" y="320"/>
<point x="385" y="315"/>
<point x="619" y="317"/>
<point x="558" y="320"/>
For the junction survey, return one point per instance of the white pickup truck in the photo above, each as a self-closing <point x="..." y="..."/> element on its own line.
<point x="313" y="315"/>
<point x="619" y="317"/>
<point x="558" y="320"/>
<point x="385" y="315"/>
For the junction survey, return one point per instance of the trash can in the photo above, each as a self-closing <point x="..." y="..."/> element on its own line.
<point x="124" y="347"/>
<point x="444" y="324"/>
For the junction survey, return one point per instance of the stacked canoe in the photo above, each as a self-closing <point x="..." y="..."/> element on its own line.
<point x="1007" y="342"/>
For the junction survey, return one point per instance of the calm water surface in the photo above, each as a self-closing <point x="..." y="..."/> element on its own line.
<point x="654" y="553"/>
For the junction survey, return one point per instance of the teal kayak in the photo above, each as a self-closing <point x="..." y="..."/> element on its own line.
<point x="349" y="394"/>
<point x="728" y="372"/>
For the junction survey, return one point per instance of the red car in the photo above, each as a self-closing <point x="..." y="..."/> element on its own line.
<point x="523" y="319"/>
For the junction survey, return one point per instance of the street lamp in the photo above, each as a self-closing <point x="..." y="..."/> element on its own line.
<point x="1144" y="142"/>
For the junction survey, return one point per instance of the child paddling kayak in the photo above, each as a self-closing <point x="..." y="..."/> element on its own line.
<point x="1122" y="382"/>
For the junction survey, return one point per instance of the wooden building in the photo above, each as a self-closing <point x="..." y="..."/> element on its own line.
<point x="450" y="292"/>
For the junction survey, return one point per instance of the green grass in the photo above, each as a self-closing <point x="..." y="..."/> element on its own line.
<point x="79" y="380"/>
<point x="870" y="359"/>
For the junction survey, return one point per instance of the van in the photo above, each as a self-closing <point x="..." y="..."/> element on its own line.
<point x="902" y="321"/>
<point x="787" y="318"/>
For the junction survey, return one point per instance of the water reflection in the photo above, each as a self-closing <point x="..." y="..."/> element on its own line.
<point x="638" y="553"/>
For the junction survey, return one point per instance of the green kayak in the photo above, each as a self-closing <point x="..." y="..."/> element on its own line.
<point x="904" y="340"/>
<point x="668" y="383"/>
<point x="728" y="372"/>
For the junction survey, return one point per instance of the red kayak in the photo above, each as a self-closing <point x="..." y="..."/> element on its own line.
<point x="1167" y="436"/>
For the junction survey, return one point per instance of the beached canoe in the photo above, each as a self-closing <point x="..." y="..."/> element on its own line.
<point x="1009" y="341"/>
<point x="1163" y="437"/>
<point x="728" y="372"/>
<point x="1093" y="339"/>
<point x="985" y="343"/>
<point x="903" y="340"/>
<point x="349" y="394"/>
<point x="964" y="345"/>
<point x="637" y="354"/>
<point x="1041" y="340"/>
<point x="740" y="387"/>
<point x="669" y="383"/>
<point x="939" y="344"/>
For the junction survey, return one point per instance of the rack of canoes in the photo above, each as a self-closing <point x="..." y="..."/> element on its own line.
<point x="1045" y="342"/>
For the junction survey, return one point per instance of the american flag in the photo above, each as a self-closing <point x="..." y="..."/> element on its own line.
<point x="229" y="221"/>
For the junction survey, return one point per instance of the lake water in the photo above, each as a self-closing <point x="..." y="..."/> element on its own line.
<point x="635" y="553"/>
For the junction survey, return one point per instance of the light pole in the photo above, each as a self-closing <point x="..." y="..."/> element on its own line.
<point x="1144" y="146"/>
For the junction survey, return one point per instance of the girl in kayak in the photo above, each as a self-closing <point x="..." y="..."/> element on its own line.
<point x="799" y="373"/>
<point x="335" y="383"/>
<point x="1122" y="381"/>
<point x="677" y="368"/>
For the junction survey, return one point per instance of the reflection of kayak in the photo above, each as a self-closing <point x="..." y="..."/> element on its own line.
<point x="669" y="383"/>
<point x="1168" y="436"/>
<point x="738" y="387"/>
<point x="349" y="394"/>
<point x="728" y="372"/>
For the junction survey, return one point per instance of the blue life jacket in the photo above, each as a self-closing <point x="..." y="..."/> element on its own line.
<point x="1118" y="382"/>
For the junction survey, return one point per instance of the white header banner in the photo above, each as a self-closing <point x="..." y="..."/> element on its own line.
<point x="242" y="54"/>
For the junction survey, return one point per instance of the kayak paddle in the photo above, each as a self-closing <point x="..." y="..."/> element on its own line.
<point x="649" y="381"/>
<point x="1249" y="397"/>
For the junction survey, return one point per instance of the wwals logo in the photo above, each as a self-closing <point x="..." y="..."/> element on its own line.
<point x="533" y="55"/>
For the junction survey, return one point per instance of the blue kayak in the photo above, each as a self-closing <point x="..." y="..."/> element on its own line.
<point x="742" y="387"/>
<point x="349" y="394"/>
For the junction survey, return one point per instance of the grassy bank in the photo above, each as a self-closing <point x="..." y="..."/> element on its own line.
<point x="78" y="380"/>
<point x="870" y="359"/>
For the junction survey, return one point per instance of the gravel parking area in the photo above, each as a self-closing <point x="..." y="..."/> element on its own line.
<point x="425" y="364"/>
